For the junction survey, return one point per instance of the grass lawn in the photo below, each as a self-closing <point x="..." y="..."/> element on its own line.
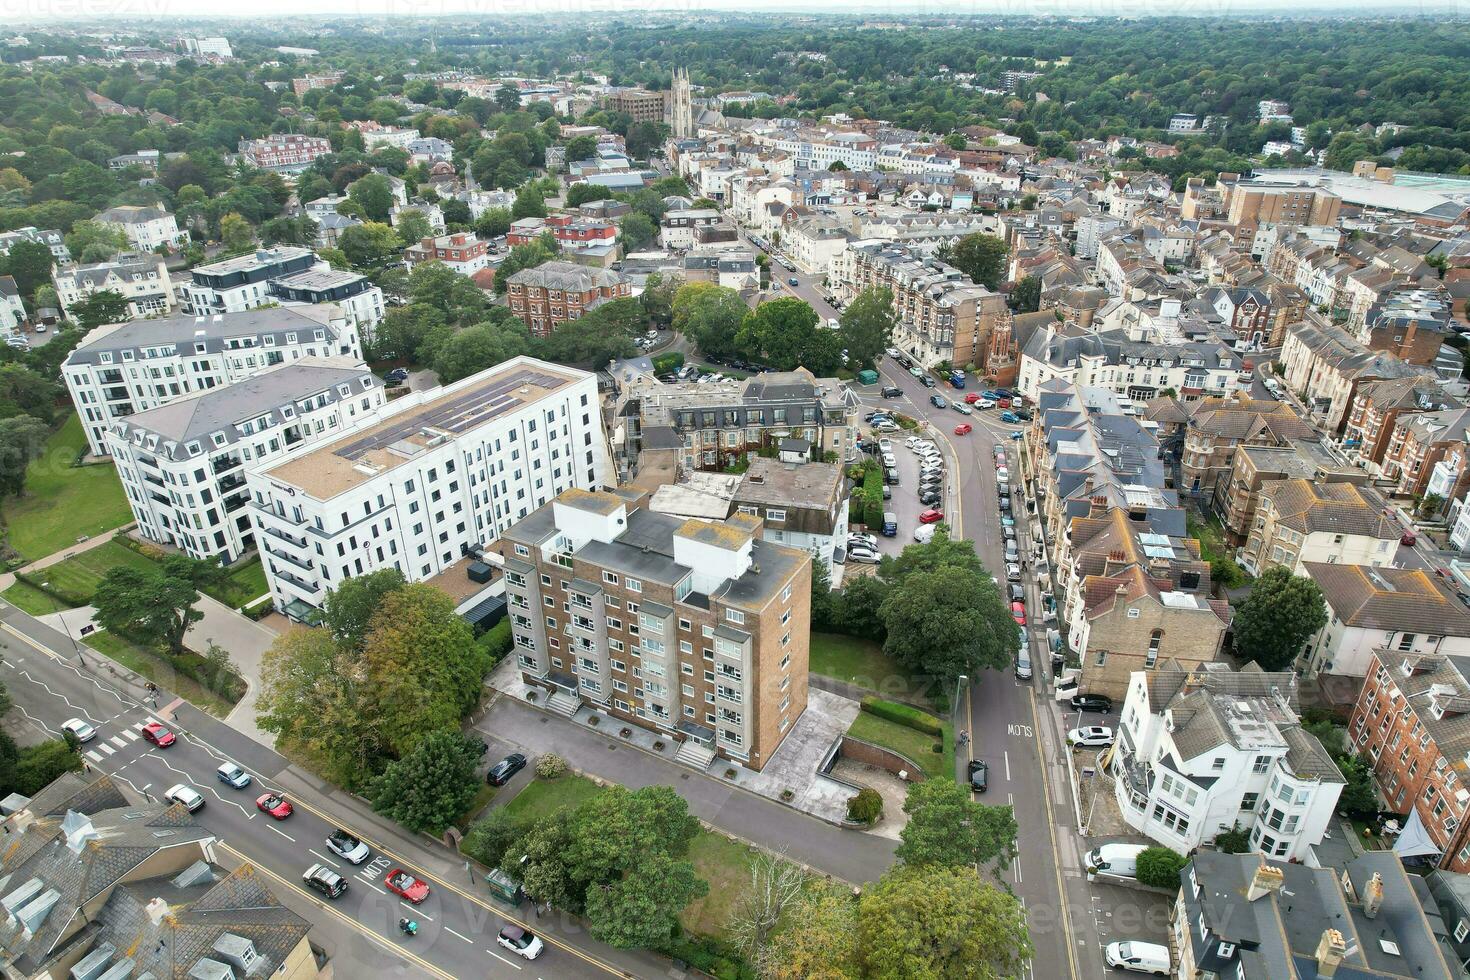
<point x="482" y="799"/>
<point x="159" y="670"/>
<point x="30" y="599"/>
<point x="911" y="743"/>
<point x="542" y="797"/>
<point x="1212" y="547"/>
<point x="62" y="502"/>
<point x="244" y="583"/>
<point x="861" y="662"/>
<point x="80" y="574"/>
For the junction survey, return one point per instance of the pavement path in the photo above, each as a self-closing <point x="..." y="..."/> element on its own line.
<point x="7" y="579"/>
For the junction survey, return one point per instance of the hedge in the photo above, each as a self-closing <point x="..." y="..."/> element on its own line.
<point x="1160" y="867"/>
<point x="708" y="955"/>
<point x="65" y="597"/>
<point x="665" y="363"/>
<point x="260" y="609"/>
<point x="902" y="714"/>
<point x="873" y="497"/>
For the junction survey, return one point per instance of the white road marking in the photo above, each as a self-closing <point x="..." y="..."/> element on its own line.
<point x="372" y="886"/>
<point x="326" y="859"/>
<point x="115" y="740"/>
<point x="107" y="748"/>
<point x="44" y="727"/>
<point x="415" y="911"/>
<point x="1008" y="765"/>
<point x="503" y="959"/>
<point x="283" y="834"/>
<point x="95" y="756"/>
<point x="128" y="733"/>
<point x="452" y="932"/>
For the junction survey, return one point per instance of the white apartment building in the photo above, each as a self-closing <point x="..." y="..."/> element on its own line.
<point x="359" y="299"/>
<point x="427" y="478"/>
<point x="125" y="368"/>
<point x="12" y="308"/>
<point x="183" y="464"/>
<point x="141" y="278"/>
<point x="819" y="150"/>
<point x="243" y="282"/>
<point x="146" y="228"/>
<point x="388" y="136"/>
<point x="1138" y="370"/>
<point x="1200" y="752"/>
<point x="50" y="237"/>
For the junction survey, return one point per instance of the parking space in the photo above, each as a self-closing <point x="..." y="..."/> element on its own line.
<point x="904" y="502"/>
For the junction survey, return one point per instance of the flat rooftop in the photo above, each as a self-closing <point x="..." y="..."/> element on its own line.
<point x="319" y="279"/>
<point x="365" y="453"/>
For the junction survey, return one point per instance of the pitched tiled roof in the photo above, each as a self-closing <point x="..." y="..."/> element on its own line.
<point x="1338" y="508"/>
<point x="1389" y="599"/>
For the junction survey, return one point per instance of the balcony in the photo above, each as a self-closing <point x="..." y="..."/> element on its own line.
<point x="232" y="482"/>
<point x="222" y="463"/>
<point x="303" y="565"/>
<point x="236" y="502"/>
<point x="283" y="536"/>
<point x="287" y="518"/>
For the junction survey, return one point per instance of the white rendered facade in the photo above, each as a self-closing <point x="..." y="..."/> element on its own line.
<point x="243" y="282"/>
<point x="131" y="367"/>
<point x="142" y="279"/>
<point x="182" y="465"/>
<point x="430" y="475"/>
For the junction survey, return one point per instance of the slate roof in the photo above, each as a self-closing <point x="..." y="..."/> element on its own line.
<point x="131" y="214"/>
<point x="183" y="330"/>
<point x="567" y="276"/>
<point x="124" y="266"/>
<point x="1386" y="598"/>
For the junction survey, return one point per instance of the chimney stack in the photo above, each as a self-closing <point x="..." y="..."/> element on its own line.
<point x="156" y="909"/>
<point x="1265" y="881"/>
<point x="1330" y="951"/>
<point x="1373" y="896"/>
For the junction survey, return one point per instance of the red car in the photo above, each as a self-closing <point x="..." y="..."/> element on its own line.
<point x="277" y="806"/>
<point x="963" y="429"/>
<point x="1003" y="403"/>
<point x="972" y="398"/>
<point x="1409" y="538"/>
<point x="406" y="886"/>
<point x="1018" y="613"/>
<point x="158" y="735"/>
<point x="932" y="516"/>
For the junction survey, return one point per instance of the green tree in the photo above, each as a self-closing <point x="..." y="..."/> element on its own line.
<point x="373" y="193"/>
<point x="481" y="346"/>
<point x="981" y="257"/>
<point x="25" y="392"/>
<point x="91" y="241"/>
<point x="369" y="245"/>
<point x="582" y="193"/>
<point x="493" y="836"/>
<point x="947" y="826"/>
<point x="235" y="233"/>
<point x="939" y="552"/>
<point x="349" y="608"/>
<point x="866" y="806"/>
<point x="528" y="204"/>
<point x="637" y="230"/>
<point x="658" y="297"/>
<point x="581" y="148"/>
<point x="431" y="787"/>
<point x="402" y="332"/>
<point x="947" y="622"/>
<point x="1359" y="798"/>
<point x="859" y="607"/>
<point x="29" y="264"/>
<point x="451" y="293"/>
<point x="102" y="307"/>
<point x="1026" y="297"/>
<point x="598" y="336"/>
<point x="508" y="97"/>
<point x="644" y="139"/>
<point x="288" y="231"/>
<point x="148" y="602"/>
<point x="818" y="941"/>
<point x="40" y="765"/>
<point x="1236" y="840"/>
<point x="22" y="439"/>
<point x="710" y="316"/>
<point x="1160" y="867"/>
<point x="413" y="225"/>
<point x="493" y="223"/>
<point x="1280" y="614"/>
<point x="935" y="921"/>
<point x="867" y="326"/>
<point x="521" y="257"/>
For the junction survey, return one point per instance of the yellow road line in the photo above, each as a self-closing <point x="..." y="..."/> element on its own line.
<point x="1052" y="832"/>
<point x="497" y="910"/>
<point x="399" y="950"/>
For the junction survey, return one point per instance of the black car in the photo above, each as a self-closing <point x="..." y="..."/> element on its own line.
<point x="927" y="381"/>
<point x="979" y="771"/>
<point x="1091" y="702"/>
<point x="501" y="772"/>
<point x="929" y="497"/>
<point x="397" y="374"/>
<point x="892" y="392"/>
<point x="323" y="879"/>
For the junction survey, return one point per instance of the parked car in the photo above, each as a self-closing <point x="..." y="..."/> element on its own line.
<point x="1136" y="957"/>
<point x="891" y="392"/>
<point x="1013" y="572"/>
<point x="929" y="497"/>
<point x="1017" y="434"/>
<point x="1091" y="702"/>
<point x="938" y="401"/>
<point x="232" y="775"/>
<point x="1090" y="737"/>
<point x="398" y="373"/>
<point x="927" y="381"/>
<point x="184" y="794"/>
<point x="1009" y="418"/>
<point x="83" y="731"/>
<point x="894" y="353"/>
<point x="406" y="886"/>
<point x="321" y="878"/>
<point x="963" y="429"/>
<point x="1409" y="538"/>
<point x="1018" y="613"/>
<point x="502" y="771"/>
<point x="154" y="732"/>
<point x="972" y="397"/>
<point x="347" y="847"/>
<point x="931" y="516"/>
<point x="863" y="556"/>
<point x="924" y="533"/>
<point x="277" y="806"/>
<point x="518" y="940"/>
<point x="979" y="771"/>
<point x="858" y="537"/>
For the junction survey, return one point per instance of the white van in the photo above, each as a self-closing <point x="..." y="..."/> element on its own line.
<point x="1137" y="957"/>
<point x="1119" y="860"/>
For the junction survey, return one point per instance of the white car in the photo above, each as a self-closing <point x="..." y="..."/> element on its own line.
<point x="1090" y="737"/>
<point x="347" y="847"/>
<point x="912" y="442"/>
<point x="184" y="794"/>
<point x="924" y="533"/>
<point x="1013" y="572"/>
<point x="520" y="942"/>
<point x="860" y="538"/>
<point x="885" y="445"/>
<point x="863" y="556"/>
<point x="893" y="352"/>
<point x="885" y="426"/>
<point x="1137" y="957"/>
<point x="83" y="731"/>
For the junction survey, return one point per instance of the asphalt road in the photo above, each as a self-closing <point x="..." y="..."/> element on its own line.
<point x="457" y="927"/>
<point x="1018" y="729"/>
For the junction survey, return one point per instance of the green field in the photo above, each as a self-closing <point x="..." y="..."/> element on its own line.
<point x="909" y="742"/>
<point x="64" y="502"/>
<point x="543" y="797"/>
<point x="79" y="575"/>
<point x="31" y="600"/>
<point x="244" y="583"/>
<point x="861" y="662"/>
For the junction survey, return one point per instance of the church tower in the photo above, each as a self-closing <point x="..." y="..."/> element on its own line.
<point x="681" y="106"/>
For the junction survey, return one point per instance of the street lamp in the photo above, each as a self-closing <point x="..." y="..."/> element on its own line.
<point x="65" y="626"/>
<point x="959" y="683"/>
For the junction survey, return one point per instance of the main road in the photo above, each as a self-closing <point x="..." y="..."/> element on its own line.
<point x="50" y="682"/>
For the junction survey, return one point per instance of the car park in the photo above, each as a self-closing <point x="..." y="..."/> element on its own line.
<point x="83" y="731"/>
<point x="930" y="497"/>
<point x="931" y="516"/>
<point x="890" y="524"/>
<point x="973" y="397"/>
<point x="155" y="733"/>
<point x="406" y="886"/>
<point x="502" y="771"/>
<point x="985" y="403"/>
<point x="323" y="879"/>
<point x="397" y="374"/>
<point x="924" y="533"/>
<point x="185" y="795"/>
<point x="887" y="425"/>
<point x="979" y="771"/>
<point x="863" y="555"/>
<point x="520" y="942"/>
<point x="277" y="806"/>
<point x="1090" y="737"/>
<point x="890" y="475"/>
<point x="347" y="847"/>
<point x="858" y="537"/>
<point x="963" y="429"/>
<point x="232" y="775"/>
<point x="1091" y="702"/>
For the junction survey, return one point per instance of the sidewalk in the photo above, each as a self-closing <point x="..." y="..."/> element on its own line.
<point x="7" y="579"/>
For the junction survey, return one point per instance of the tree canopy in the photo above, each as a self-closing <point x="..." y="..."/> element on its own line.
<point x="1280" y="614"/>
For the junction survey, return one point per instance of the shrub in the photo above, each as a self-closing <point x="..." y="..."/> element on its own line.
<point x="902" y="714"/>
<point x="551" y="766"/>
<point x="665" y="363"/>
<point x="866" y="806"/>
<point x="261" y="609"/>
<point x="496" y="641"/>
<point x="1233" y="841"/>
<point x="1160" y="867"/>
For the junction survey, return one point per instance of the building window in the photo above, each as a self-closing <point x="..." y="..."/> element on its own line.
<point x="735" y="616"/>
<point x="1154" y="639"/>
